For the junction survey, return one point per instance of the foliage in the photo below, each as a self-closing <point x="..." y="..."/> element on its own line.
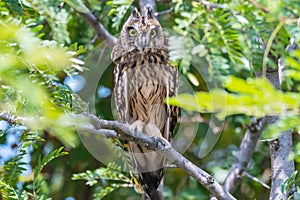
<point x="118" y="11"/>
<point x="112" y="173"/>
<point x="34" y="94"/>
<point x="287" y="186"/>
<point x="11" y="171"/>
<point x="252" y="97"/>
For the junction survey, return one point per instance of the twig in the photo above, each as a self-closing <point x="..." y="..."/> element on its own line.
<point x="256" y="4"/>
<point x="113" y="129"/>
<point x="255" y="179"/>
<point x="199" y="119"/>
<point x="11" y="118"/>
<point x="88" y="16"/>
<point x="244" y="155"/>
<point x="93" y="40"/>
<point x="164" y="12"/>
<point x="123" y="131"/>
<point x="210" y="5"/>
<point x="172" y="166"/>
<point x="269" y="44"/>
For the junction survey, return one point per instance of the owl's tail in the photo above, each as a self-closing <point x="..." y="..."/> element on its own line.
<point x="150" y="182"/>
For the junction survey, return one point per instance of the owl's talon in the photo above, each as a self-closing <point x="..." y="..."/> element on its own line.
<point x="137" y="126"/>
<point x="163" y="141"/>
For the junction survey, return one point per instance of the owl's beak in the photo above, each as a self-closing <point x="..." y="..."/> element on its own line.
<point x="143" y="42"/>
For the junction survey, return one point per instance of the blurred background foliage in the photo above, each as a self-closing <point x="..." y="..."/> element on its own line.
<point x="43" y="48"/>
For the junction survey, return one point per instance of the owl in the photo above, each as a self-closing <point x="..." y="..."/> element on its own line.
<point x="143" y="80"/>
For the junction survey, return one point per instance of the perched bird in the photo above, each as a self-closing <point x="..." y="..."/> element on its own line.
<point x="143" y="79"/>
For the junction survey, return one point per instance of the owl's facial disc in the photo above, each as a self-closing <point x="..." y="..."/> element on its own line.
<point x="143" y="36"/>
<point x="142" y="32"/>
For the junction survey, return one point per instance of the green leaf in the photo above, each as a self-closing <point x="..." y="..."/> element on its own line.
<point x="252" y="97"/>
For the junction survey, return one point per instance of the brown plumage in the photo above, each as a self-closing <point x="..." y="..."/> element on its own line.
<point x="143" y="79"/>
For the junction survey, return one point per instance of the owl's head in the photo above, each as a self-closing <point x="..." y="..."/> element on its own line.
<point x="142" y="32"/>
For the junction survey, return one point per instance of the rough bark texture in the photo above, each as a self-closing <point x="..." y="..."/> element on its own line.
<point x="122" y="131"/>
<point x="244" y="155"/>
<point x="282" y="168"/>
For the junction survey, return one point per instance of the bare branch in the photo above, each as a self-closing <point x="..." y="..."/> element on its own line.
<point x="119" y="130"/>
<point x="101" y="31"/>
<point x="9" y="118"/>
<point x="210" y="5"/>
<point x="244" y="155"/>
<point x="255" y="179"/>
<point x="281" y="167"/>
<point x="13" y="119"/>
<point x="256" y="4"/>
<point x="112" y="129"/>
<point x="164" y="12"/>
<point x="199" y="119"/>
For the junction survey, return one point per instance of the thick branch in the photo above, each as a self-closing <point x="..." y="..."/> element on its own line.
<point x="100" y="30"/>
<point x="13" y="119"/>
<point x="112" y="129"/>
<point x="244" y="155"/>
<point x="118" y="130"/>
<point x="282" y="168"/>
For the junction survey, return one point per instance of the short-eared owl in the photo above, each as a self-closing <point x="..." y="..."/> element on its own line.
<point x="143" y="80"/>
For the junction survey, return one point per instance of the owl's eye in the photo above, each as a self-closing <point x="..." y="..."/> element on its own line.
<point x="153" y="33"/>
<point x="132" y="32"/>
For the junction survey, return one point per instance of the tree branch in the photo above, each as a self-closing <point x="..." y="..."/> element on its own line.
<point x="210" y="5"/>
<point x="282" y="168"/>
<point x="255" y="179"/>
<point x="13" y="119"/>
<point x="112" y="129"/>
<point x="147" y="3"/>
<point x="122" y="131"/>
<point x="100" y="30"/>
<point x="262" y="8"/>
<point x="244" y="155"/>
<point x="164" y="12"/>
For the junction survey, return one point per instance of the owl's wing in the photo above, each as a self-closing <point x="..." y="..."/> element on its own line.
<point x="117" y="51"/>
<point x="120" y="83"/>
<point x="172" y="110"/>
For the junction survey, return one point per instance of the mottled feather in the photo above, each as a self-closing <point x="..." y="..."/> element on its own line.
<point x="143" y="79"/>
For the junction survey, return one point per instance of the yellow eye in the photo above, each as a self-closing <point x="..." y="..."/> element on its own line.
<point x="132" y="32"/>
<point x="153" y="33"/>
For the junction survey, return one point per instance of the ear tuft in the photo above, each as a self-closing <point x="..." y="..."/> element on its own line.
<point x="135" y="13"/>
<point x="149" y="12"/>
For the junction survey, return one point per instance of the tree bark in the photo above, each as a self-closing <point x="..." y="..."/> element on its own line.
<point x="282" y="168"/>
<point x="100" y="30"/>
<point x="244" y="154"/>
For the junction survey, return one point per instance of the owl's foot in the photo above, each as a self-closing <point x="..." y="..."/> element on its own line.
<point x="152" y="131"/>
<point x="164" y="142"/>
<point x="137" y="126"/>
